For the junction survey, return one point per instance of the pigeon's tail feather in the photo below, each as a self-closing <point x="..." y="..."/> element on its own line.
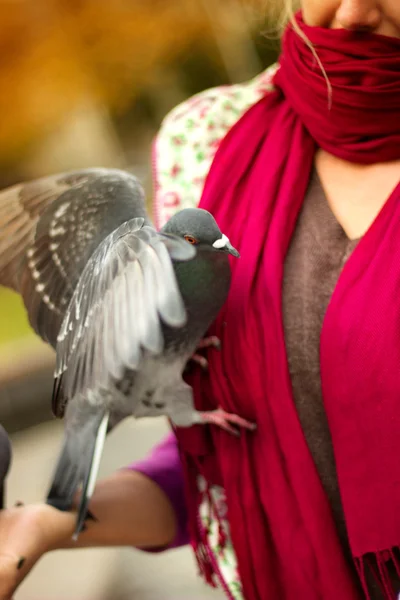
<point x="90" y="479"/>
<point x="78" y="465"/>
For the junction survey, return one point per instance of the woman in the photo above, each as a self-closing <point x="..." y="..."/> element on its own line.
<point x="301" y="166"/>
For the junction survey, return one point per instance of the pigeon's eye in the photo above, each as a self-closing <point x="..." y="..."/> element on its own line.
<point x="190" y="239"/>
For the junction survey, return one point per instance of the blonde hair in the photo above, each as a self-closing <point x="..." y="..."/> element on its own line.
<point x="280" y="12"/>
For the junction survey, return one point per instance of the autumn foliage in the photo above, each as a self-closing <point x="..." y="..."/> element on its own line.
<point x="56" y="52"/>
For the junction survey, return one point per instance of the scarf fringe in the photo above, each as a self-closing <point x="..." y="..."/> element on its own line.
<point x="204" y="563"/>
<point x="379" y="564"/>
<point x="199" y="533"/>
<point x="201" y="546"/>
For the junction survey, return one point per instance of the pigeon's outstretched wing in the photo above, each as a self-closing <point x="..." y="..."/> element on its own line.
<point x="126" y="291"/>
<point x="50" y="227"/>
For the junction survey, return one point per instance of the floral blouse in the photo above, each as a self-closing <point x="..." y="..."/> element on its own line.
<point x="182" y="155"/>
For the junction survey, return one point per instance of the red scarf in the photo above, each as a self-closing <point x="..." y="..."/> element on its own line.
<point x="281" y="522"/>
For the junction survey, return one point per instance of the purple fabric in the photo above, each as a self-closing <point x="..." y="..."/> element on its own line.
<point x="163" y="466"/>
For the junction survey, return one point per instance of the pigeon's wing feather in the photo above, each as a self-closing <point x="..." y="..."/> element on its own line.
<point x="20" y="209"/>
<point x="127" y="290"/>
<point x="49" y="229"/>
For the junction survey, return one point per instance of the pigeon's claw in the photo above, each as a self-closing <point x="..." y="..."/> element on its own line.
<point x="210" y="342"/>
<point x="227" y="421"/>
<point x="200" y="360"/>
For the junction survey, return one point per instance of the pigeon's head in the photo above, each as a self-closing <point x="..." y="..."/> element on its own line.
<point x="198" y="227"/>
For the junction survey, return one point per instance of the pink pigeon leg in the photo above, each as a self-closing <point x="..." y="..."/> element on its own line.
<point x="227" y="421"/>
<point x="208" y="342"/>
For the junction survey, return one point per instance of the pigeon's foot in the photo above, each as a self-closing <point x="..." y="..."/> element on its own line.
<point x="208" y="342"/>
<point x="227" y="421"/>
<point x="200" y="360"/>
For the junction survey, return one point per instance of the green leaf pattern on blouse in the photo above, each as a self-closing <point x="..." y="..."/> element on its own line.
<point x="183" y="153"/>
<point x="189" y="137"/>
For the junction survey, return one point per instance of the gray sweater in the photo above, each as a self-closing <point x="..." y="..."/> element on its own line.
<point x="317" y="253"/>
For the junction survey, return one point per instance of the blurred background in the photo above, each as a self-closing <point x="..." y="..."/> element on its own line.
<point x="87" y="83"/>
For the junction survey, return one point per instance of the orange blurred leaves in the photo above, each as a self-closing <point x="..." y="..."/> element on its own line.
<point x="53" y="53"/>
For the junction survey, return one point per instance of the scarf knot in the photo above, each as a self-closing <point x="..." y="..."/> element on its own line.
<point x="345" y="88"/>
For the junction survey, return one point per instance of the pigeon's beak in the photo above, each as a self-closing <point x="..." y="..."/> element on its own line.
<point x="231" y="250"/>
<point x="224" y="244"/>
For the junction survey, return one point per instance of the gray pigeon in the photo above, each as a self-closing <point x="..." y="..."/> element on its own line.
<point x="124" y="306"/>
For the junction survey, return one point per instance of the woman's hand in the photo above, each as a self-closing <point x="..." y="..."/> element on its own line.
<point x="129" y="508"/>
<point x="26" y="533"/>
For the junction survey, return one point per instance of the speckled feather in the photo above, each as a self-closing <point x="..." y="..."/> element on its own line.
<point x="125" y="294"/>
<point x="43" y="258"/>
<point x="123" y="304"/>
<point x="99" y="284"/>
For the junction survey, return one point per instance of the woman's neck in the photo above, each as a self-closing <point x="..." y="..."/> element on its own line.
<point x="356" y="193"/>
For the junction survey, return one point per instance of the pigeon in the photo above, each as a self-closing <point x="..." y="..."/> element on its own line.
<point x="5" y="461"/>
<point x="125" y="307"/>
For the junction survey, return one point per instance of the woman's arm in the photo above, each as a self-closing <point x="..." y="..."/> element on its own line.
<point x="131" y="510"/>
<point x="142" y="506"/>
<point x="132" y="507"/>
